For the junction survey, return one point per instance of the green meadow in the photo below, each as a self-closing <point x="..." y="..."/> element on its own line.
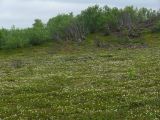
<point x="70" y="81"/>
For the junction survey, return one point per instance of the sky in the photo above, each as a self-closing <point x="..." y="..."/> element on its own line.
<point x="22" y="13"/>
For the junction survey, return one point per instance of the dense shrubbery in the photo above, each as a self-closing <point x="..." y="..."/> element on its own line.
<point x="156" y="27"/>
<point x="38" y="34"/>
<point x="127" y="22"/>
<point x="13" y="38"/>
<point x="66" y="27"/>
<point x="58" y="25"/>
<point x="18" y="38"/>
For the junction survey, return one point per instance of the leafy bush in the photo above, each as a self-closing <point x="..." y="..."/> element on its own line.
<point x="14" y="39"/>
<point x="1" y="39"/>
<point x="57" y="26"/>
<point x="19" y="38"/>
<point x="92" y="17"/>
<point x="156" y="27"/>
<point x="38" y="34"/>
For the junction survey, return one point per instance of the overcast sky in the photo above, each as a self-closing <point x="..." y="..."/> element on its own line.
<point x="22" y="13"/>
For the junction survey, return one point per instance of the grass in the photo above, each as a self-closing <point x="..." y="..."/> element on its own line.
<point x="73" y="82"/>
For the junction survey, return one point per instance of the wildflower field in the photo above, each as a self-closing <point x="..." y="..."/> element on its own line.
<point x="75" y="83"/>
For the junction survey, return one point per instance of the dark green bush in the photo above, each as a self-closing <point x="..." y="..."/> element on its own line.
<point x="156" y="27"/>
<point x="38" y="34"/>
<point x="1" y="39"/>
<point x="93" y="18"/>
<point x="57" y="26"/>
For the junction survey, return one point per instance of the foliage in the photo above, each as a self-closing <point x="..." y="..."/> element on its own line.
<point x="38" y="34"/>
<point x="92" y="17"/>
<point x="19" y="38"/>
<point x="156" y="27"/>
<point x="57" y="26"/>
<point x="127" y="22"/>
<point x="1" y="38"/>
<point x="14" y="38"/>
<point x="66" y="27"/>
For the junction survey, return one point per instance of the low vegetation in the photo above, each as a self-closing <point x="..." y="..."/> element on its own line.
<point x="74" y="81"/>
<point x="101" y="64"/>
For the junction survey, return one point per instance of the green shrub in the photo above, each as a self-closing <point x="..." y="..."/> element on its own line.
<point x="93" y="18"/>
<point x="57" y="26"/>
<point x="19" y="38"/>
<point x="15" y="39"/>
<point x="156" y="27"/>
<point x="38" y="34"/>
<point x="1" y="38"/>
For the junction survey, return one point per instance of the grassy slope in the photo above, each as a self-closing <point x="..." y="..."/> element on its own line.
<point x="73" y="82"/>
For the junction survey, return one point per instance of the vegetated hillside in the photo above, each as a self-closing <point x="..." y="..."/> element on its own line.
<point x="79" y="81"/>
<point x="128" y="23"/>
<point x="101" y="64"/>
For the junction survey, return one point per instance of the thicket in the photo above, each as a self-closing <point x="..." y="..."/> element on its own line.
<point x="156" y="27"/>
<point x="128" y="21"/>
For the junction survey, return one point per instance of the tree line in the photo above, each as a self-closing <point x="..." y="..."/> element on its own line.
<point x="128" y="21"/>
